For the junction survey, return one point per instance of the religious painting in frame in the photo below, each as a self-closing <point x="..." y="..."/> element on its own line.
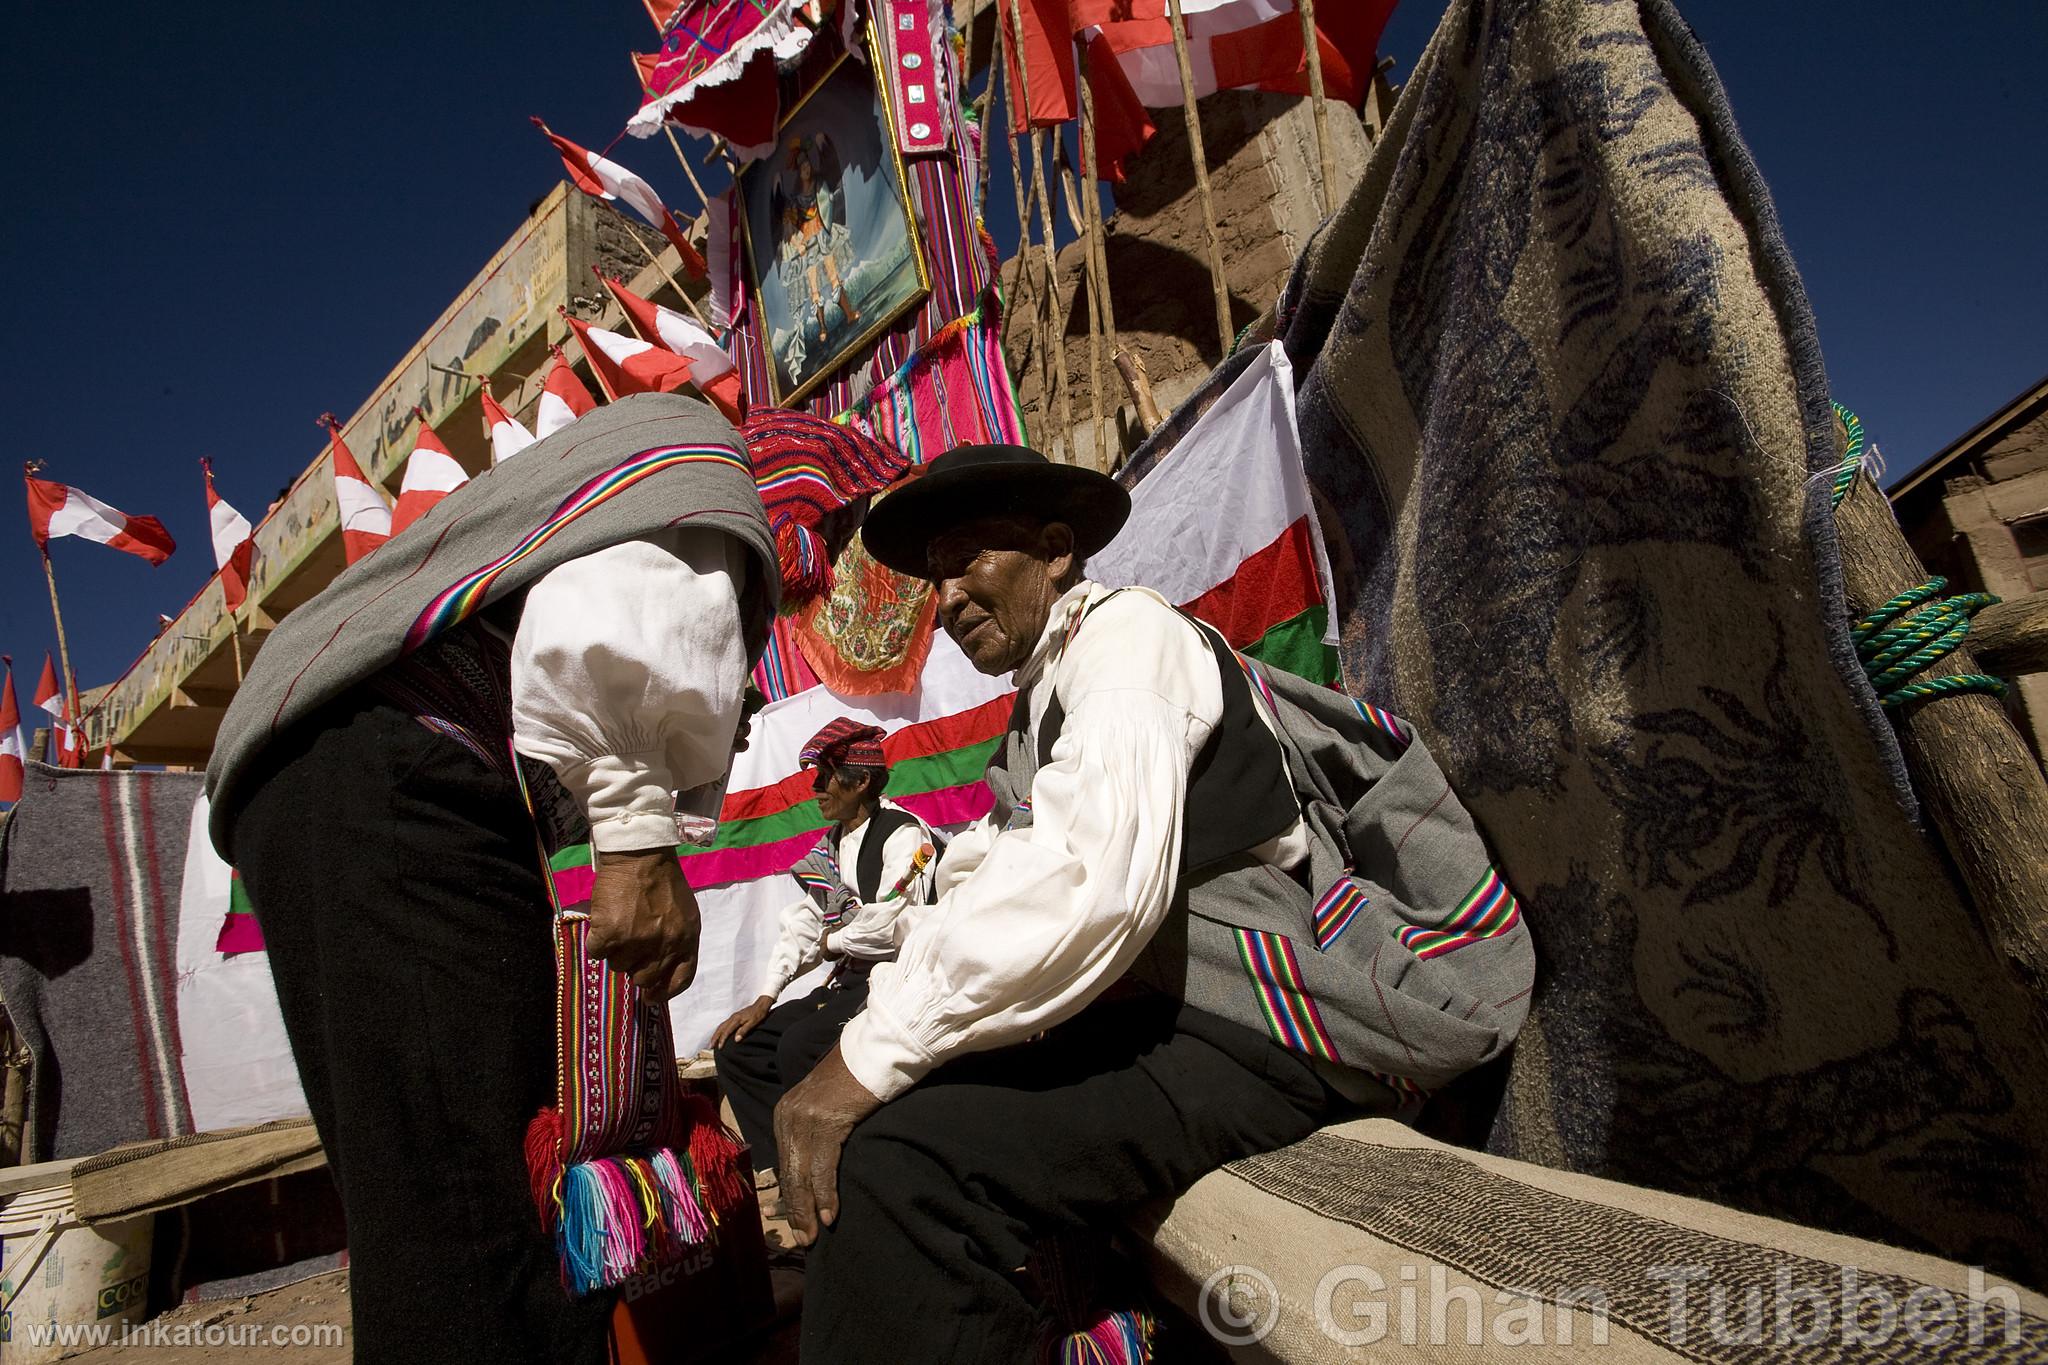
<point x="833" y="248"/>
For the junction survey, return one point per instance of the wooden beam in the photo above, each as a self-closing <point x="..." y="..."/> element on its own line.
<point x="1979" y="784"/>
<point x="2011" y="638"/>
<point x="195" y="697"/>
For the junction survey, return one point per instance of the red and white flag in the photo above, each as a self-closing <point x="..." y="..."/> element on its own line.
<point x="431" y="474"/>
<point x="562" y="399"/>
<point x="365" y="516"/>
<point x="13" y="749"/>
<point x="508" y="438"/>
<point x="709" y="367"/>
<point x="55" y="509"/>
<point x="67" y="749"/>
<point x="234" y="544"/>
<point x="1235" y="45"/>
<point x="626" y="365"/>
<point x="605" y="179"/>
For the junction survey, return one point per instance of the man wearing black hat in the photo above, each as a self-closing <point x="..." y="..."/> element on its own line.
<point x="972" y="1142"/>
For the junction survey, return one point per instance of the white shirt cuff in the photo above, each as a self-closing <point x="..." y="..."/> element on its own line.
<point x="882" y="1056"/>
<point x="628" y="802"/>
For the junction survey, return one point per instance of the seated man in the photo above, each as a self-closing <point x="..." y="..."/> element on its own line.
<point x="1214" y="906"/>
<point x="869" y="865"/>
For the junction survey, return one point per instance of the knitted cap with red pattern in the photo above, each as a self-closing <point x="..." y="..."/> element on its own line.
<point x="844" y="742"/>
<point x="806" y="469"/>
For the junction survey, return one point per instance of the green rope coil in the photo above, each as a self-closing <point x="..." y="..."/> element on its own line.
<point x="1914" y="630"/>
<point x="1852" y="457"/>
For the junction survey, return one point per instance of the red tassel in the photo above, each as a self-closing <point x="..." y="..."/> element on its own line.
<point x="544" y="1163"/>
<point x="716" y="1153"/>
<point x="806" y="568"/>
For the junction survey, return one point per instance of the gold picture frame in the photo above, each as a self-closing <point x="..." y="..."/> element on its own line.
<point x="830" y="211"/>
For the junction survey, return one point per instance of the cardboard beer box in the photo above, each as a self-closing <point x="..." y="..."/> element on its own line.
<point x="715" y="1295"/>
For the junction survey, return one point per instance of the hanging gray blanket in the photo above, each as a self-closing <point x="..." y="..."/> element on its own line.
<point x="1563" y="403"/>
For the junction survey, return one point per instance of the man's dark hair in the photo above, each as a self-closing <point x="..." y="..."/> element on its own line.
<point x="877" y="779"/>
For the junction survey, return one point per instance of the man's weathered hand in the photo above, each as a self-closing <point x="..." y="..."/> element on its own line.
<point x="643" y="919"/>
<point x="744" y="1020"/>
<point x="811" y="1126"/>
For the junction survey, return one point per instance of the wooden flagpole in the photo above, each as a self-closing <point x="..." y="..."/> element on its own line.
<point x="674" y="145"/>
<point x="63" y="645"/>
<point x="1128" y="366"/>
<point x="1080" y="220"/>
<point x="1056" y="332"/>
<point x="981" y="108"/>
<point x="1217" y="279"/>
<point x="1023" y="221"/>
<point x="681" y="292"/>
<point x="1307" y="10"/>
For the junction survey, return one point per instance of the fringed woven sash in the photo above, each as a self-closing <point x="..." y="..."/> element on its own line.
<point x="628" y="1169"/>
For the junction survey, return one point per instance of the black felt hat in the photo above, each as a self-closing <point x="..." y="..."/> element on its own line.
<point x="970" y="483"/>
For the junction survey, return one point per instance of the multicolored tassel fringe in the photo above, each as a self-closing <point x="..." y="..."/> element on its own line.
<point x="628" y="1170"/>
<point x="1120" y="1338"/>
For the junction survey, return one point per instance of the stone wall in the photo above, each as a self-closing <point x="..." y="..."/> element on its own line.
<point x="1263" y="168"/>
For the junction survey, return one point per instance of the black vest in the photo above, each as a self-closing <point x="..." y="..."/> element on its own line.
<point x="1239" y="795"/>
<point x="867" y="874"/>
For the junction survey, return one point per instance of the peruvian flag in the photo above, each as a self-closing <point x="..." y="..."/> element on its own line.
<point x="13" y="751"/>
<point x="709" y="367"/>
<point x="508" y="438"/>
<point x="365" y="516"/>
<point x="604" y="179"/>
<point x="431" y="474"/>
<point x="1232" y="45"/>
<point x="70" y="749"/>
<point x="234" y="544"/>
<point x="562" y="399"/>
<point x="55" y="509"/>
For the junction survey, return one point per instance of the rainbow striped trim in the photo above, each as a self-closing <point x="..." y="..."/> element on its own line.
<point x="1385" y="722"/>
<point x="1488" y="911"/>
<point x="1258" y="682"/>
<point x="1291" y="1014"/>
<point x="1335" y="911"/>
<point x="817" y="887"/>
<point x="459" y="601"/>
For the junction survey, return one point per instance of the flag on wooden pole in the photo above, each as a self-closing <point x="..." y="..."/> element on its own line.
<point x="711" y="369"/>
<point x="69" y="748"/>
<point x="562" y="399"/>
<point x="508" y="438"/>
<point x="56" y="509"/>
<point x="13" y="749"/>
<point x="605" y="179"/>
<point x="365" y="516"/>
<point x="431" y="474"/>
<point x="234" y="544"/>
<point x="626" y="365"/>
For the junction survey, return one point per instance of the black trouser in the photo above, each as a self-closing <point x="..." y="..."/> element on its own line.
<point x="396" y="880"/>
<point x="946" y="1190"/>
<point x="760" y="1068"/>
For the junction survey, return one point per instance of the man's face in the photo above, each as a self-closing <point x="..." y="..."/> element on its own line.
<point x="838" y="794"/>
<point x="996" y="581"/>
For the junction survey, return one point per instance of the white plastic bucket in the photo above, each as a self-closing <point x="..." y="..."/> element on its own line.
<point x="64" y="1286"/>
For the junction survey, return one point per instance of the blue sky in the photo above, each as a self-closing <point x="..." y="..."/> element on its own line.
<point x="229" y="218"/>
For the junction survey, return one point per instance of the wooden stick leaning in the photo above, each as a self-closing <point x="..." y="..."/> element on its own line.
<point x="63" y="645"/>
<point x="1098" y="249"/>
<point x="1080" y="220"/>
<point x="1057" y="331"/>
<point x="681" y="292"/>
<point x="1976" y="778"/>
<point x="983" y="105"/>
<point x="1325" y="185"/>
<point x="1017" y="308"/>
<point x="1217" y="279"/>
<point x="681" y="160"/>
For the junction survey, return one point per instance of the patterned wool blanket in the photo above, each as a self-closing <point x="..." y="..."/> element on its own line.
<point x="1564" y="410"/>
<point x="91" y="881"/>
